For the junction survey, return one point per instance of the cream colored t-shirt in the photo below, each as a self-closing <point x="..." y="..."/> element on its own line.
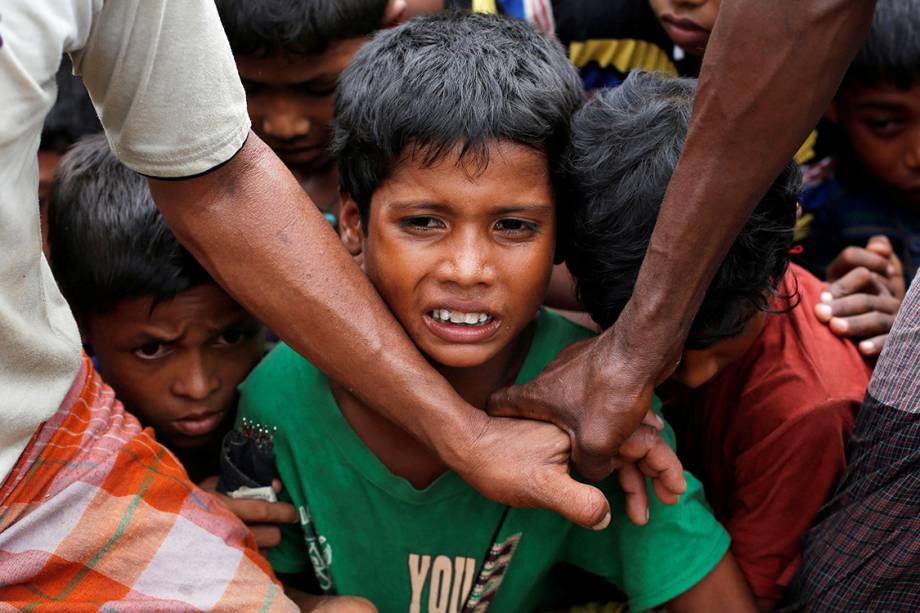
<point x="164" y="83"/>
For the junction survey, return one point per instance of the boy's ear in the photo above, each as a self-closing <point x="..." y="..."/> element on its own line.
<point x="351" y="231"/>
<point x="395" y="13"/>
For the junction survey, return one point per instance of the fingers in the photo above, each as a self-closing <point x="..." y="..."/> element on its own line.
<point x="518" y="401"/>
<point x="880" y="245"/>
<point x="857" y="281"/>
<point x="872" y="347"/>
<point x="652" y="419"/>
<point x="859" y="316"/>
<point x="657" y="460"/>
<point x="266" y="536"/>
<point x="260" y="511"/>
<point x="633" y="483"/>
<point x="858" y="257"/>
<point x="578" y="502"/>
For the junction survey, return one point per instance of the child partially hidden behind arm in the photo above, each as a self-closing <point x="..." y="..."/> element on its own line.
<point x="448" y="133"/>
<point x="765" y="395"/>
<point x="171" y="343"/>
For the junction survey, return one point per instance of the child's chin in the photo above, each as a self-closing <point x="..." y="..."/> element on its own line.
<point x="459" y="357"/>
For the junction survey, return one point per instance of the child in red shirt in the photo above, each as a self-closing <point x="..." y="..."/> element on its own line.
<point x="765" y="394"/>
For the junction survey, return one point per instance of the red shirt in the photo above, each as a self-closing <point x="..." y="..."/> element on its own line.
<point x="767" y="435"/>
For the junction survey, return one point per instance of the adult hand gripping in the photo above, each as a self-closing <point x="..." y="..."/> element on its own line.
<point x="603" y="421"/>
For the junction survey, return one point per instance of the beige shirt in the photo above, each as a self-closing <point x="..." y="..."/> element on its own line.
<point x="164" y="83"/>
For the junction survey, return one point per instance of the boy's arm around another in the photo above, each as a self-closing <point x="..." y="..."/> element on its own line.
<point x="600" y="394"/>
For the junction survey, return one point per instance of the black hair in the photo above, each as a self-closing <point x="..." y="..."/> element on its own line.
<point x="303" y="27"/>
<point x="453" y="79"/>
<point x="625" y="145"/>
<point x="108" y="241"/>
<point x="72" y="115"/>
<point x="892" y="49"/>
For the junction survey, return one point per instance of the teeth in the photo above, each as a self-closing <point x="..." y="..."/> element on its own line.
<point x="457" y="317"/>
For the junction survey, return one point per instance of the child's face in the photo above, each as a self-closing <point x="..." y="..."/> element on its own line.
<point x="698" y="367"/>
<point x="177" y="367"/>
<point x="687" y="22"/>
<point x="291" y="99"/>
<point x="461" y="256"/>
<point x="882" y="125"/>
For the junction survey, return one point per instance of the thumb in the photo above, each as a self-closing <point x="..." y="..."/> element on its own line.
<point x="578" y="502"/>
<point x="516" y="401"/>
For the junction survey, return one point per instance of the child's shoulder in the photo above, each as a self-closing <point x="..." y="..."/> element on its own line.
<point x="283" y="378"/>
<point x="553" y="333"/>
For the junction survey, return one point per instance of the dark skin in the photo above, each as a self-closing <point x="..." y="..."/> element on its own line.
<point x="257" y="233"/>
<point x="600" y="393"/>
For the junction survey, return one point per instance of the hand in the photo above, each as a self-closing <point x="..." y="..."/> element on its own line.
<point x="259" y="516"/>
<point x="593" y="393"/>
<point x="525" y="463"/>
<point x="865" y="291"/>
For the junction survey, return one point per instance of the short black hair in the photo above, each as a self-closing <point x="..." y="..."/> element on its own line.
<point x="453" y="79"/>
<point x="892" y="50"/>
<point x="625" y="146"/>
<point x="107" y="239"/>
<point x="72" y="115"/>
<point x="303" y="27"/>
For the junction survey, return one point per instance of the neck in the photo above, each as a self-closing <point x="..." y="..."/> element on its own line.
<point x="402" y="453"/>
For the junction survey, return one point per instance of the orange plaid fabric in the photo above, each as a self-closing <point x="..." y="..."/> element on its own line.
<point x="97" y="515"/>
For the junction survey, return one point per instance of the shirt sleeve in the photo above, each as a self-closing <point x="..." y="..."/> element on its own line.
<point x="165" y="85"/>
<point x="781" y="482"/>
<point x="655" y="563"/>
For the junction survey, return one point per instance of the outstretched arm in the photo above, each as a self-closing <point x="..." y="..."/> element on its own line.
<point x="769" y="72"/>
<point x="258" y="234"/>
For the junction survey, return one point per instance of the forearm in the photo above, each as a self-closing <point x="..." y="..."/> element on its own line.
<point x="769" y="73"/>
<point x="257" y="233"/>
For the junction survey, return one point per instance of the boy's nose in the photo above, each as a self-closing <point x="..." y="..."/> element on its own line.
<point x="468" y="263"/>
<point x="196" y="381"/>
<point x="285" y="122"/>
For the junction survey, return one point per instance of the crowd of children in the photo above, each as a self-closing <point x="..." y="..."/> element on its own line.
<point x="461" y="161"/>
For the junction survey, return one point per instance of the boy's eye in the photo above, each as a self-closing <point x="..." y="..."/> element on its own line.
<point x="151" y="351"/>
<point x="515" y="227"/>
<point x="421" y="223"/>
<point x="320" y="88"/>
<point x="884" y="126"/>
<point x="230" y="337"/>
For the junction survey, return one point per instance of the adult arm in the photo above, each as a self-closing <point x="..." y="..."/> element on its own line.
<point x="769" y="73"/>
<point x="253" y="228"/>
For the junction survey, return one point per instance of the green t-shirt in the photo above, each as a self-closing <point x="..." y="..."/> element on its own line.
<point x="422" y="550"/>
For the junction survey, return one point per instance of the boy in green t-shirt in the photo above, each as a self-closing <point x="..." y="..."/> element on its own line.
<point x="448" y="131"/>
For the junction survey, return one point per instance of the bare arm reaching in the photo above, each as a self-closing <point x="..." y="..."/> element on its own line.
<point x="769" y="72"/>
<point x="259" y="235"/>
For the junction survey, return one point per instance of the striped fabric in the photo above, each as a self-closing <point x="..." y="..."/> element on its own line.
<point x="864" y="552"/>
<point x="97" y="515"/>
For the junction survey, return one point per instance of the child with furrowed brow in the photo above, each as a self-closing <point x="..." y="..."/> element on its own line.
<point x="448" y="134"/>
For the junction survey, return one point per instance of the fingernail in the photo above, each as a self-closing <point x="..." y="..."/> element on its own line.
<point x="659" y="423"/>
<point x="603" y="523"/>
<point x="841" y="325"/>
<point x="867" y="347"/>
<point x="827" y="297"/>
<point x="824" y="311"/>
<point x="647" y="515"/>
<point x="890" y="270"/>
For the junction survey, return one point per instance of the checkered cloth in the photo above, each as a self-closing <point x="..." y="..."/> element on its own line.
<point x="97" y="515"/>
<point x="864" y="553"/>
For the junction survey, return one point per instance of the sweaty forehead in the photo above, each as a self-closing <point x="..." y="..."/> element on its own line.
<point x="286" y="68"/>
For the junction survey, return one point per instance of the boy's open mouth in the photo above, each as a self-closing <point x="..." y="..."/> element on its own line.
<point x="456" y="326"/>
<point x="459" y="317"/>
